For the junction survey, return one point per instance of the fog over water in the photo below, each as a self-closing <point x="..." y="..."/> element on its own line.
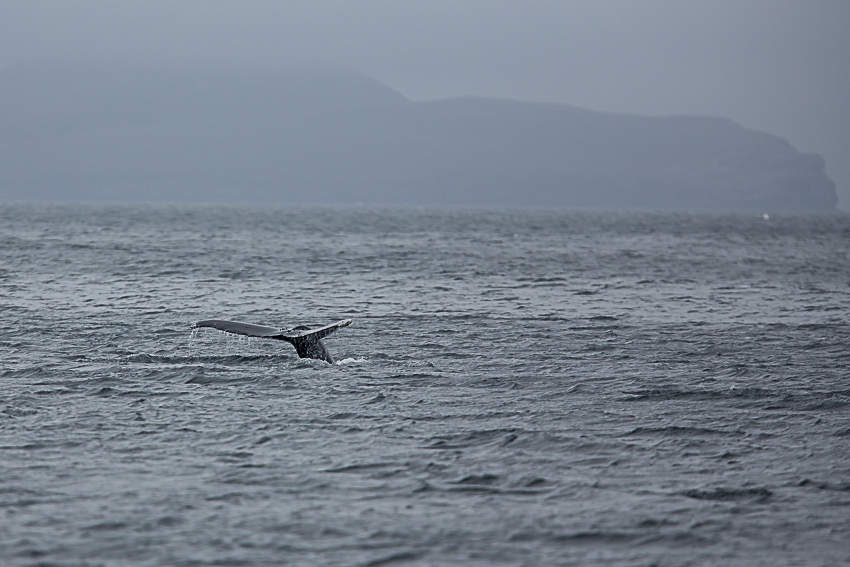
<point x="773" y="65"/>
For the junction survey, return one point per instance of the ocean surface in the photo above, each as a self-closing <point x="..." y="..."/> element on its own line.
<point x="517" y="388"/>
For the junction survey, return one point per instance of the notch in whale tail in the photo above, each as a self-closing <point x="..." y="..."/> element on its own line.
<point x="307" y="341"/>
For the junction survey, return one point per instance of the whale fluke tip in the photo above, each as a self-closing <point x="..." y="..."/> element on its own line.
<point x="307" y="341"/>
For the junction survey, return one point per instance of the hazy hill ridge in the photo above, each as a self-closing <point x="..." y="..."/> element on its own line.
<point x="96" y="133"/>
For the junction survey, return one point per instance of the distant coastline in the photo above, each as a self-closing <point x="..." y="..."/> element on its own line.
<point x="310" y="137"/>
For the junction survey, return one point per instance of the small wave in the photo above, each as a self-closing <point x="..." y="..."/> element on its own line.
<point x="679" y="431"/>
<point x="668" y="393"/>
<point x="350" y="360"/>
<point x="823" y="485"/>
<point x="770" y="399"/>
<point x="358" y="467"/>
<point x="145" y="358"/>
<point x="413" y="376"/>
<point x="402" y="556"/>
<point x="485" y="479"/>
<point x="729" y="494"/>
<point x="589" y="537"/>
<point x="202" y="379"/>
<point x="25" y="372"/>
<point x="473" y="438"/>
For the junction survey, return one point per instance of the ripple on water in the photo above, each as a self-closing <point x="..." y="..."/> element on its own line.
<point x="521" y="387"/>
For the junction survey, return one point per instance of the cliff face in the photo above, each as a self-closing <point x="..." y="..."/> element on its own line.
<point x="301" y="137"/>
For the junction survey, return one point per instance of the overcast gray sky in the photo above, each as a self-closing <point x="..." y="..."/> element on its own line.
<point x="775" y="65"/>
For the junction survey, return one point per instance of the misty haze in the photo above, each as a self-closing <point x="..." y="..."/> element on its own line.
<point x="299" y="137"/>
<point x="487" y="283"/>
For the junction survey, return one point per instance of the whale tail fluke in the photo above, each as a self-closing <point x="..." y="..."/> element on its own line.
<point x="307" y="341"/>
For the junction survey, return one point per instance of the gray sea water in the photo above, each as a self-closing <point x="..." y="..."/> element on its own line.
<point x="517" y="388"/>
